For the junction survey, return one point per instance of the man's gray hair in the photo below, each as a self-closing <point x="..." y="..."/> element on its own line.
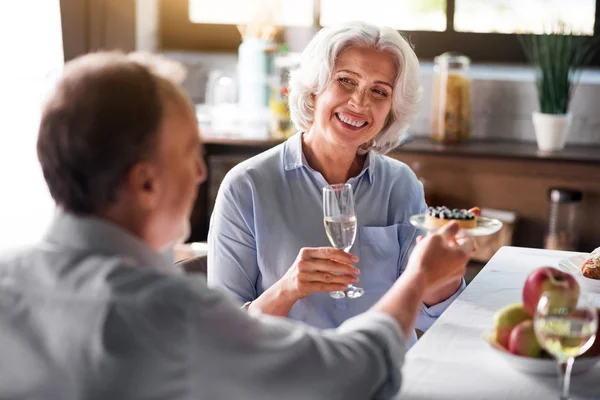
<point x="317" y="66"/>
<point x="161" y="66"/>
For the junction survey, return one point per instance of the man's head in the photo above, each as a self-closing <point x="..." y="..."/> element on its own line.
<point x="121" y="142"/>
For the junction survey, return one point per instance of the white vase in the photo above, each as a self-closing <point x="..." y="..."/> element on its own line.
<point x="551" y="130"/>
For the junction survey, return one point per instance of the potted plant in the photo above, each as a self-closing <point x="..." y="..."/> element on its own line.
<point x="557" y="58"/>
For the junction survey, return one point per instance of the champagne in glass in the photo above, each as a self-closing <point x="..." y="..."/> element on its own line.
<point x="341" y="231"/>
<point x="340" y="225"/>
<point x="565" y="325"/>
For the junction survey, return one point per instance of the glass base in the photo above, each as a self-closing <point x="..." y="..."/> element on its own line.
<point x="352" y="292"/>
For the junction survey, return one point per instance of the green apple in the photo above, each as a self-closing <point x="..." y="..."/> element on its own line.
<point x="506" y="319"/>
<point x="522" y="340"/>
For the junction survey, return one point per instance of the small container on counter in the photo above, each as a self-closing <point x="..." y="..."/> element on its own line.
<point x="451" y="105"/>
<point x="281" y="123"/>
<point x="254" y="67"/>
<point x="563" y="219"/>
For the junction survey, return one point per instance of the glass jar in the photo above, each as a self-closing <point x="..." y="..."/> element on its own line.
<point x="563" y="219"/>
<point x="281" y="123"/>
<point x="451" y="111"/>
<point x="254" y="67"/>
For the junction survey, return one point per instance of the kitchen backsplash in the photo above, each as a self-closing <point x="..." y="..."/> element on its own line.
<point x="503" y="99"/>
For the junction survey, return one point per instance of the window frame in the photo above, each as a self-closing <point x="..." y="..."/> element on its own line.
<point x="177" y="32"/>
<point x="91" y="25"/>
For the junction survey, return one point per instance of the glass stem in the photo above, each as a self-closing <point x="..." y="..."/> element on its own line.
<point x="564" y="377"/>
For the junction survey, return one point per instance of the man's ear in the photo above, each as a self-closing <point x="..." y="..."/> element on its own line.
<point x="143" y="185"/>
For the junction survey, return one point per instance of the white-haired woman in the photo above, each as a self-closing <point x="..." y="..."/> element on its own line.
<point x="353" y="96"/>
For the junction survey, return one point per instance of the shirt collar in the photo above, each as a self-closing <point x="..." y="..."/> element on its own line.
<point x="96" y="234"/>
<point x="293" y="157"/>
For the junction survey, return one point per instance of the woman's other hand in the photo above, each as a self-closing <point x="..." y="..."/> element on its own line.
<point x="319" y="269"/>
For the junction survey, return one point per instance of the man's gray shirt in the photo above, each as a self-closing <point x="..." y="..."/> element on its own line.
<point x="91" y="312"/>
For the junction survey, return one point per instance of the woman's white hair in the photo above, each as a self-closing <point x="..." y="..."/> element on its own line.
<point x="317" y="65"/>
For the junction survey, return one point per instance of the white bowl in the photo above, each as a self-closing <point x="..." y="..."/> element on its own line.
<point x="538" y="366"/>
<point x="572" y="265"/>
<point x="485" y="226"/>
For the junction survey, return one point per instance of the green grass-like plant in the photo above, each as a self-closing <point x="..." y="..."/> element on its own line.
<point x="557" y="58"/>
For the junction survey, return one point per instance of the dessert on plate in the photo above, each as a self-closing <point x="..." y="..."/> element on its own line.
<point x="591" y="266"/>
<point x="437" y="217"/>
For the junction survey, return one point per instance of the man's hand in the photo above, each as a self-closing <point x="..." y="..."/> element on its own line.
<point x="441" y="258"/>
<point x="438" y="260"/>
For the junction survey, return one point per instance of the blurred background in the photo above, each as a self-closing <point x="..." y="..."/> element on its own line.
<point x="238" y="54"/>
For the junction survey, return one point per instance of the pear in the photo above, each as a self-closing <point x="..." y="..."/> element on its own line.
<point x="506" y="319"/>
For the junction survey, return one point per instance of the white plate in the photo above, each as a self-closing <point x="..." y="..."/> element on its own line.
<point x="538" y="366"/>
<point x="485" y="226"/>
<point x="573" y="265"/>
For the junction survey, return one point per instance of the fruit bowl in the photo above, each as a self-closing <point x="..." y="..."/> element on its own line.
<point x="537" y="366"/>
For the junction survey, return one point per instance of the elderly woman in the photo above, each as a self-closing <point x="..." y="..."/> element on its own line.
<point x="351" y="99"/>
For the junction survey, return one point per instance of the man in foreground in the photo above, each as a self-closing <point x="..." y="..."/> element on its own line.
<point x="94" y="311"/>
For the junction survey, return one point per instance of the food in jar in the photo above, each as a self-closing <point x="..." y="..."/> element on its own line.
<point x="451" y="119"/>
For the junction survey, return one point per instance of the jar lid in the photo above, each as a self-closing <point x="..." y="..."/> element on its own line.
<point x="452" y="59"/>
<point x="559" y="195"/>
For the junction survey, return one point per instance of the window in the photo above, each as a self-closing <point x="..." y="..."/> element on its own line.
<point x="511" y="16"/>
<point x="284" y="12"/>
<point x="423" y="15"/>
<point x="484" y="30"/>
<point x="31" y="33"/>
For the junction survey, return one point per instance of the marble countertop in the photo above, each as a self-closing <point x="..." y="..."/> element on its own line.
<point x="452" y="361"/>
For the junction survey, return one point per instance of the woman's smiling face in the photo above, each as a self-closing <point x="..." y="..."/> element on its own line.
<point x="354" y="106"/>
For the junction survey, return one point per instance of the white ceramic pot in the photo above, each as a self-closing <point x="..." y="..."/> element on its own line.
<point x="551" y="130"/>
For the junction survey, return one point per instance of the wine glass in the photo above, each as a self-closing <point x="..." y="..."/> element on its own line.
<point x="340" y="225"/>
<point x="565" y="324"/>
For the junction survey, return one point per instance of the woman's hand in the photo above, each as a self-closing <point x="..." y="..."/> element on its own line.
<point x="475" y="210"/>
<point x="320" y="269"/>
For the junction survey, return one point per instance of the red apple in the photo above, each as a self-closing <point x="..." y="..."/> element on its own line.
<point x="543" y="279"/>
<point x="594" y="351"/>
<point x="522" y="340"/>
<point x="506" y="319"/>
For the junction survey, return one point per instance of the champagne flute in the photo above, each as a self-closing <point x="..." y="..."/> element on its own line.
<point x="565" y="324"/>
<point x="340" y="225"/>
